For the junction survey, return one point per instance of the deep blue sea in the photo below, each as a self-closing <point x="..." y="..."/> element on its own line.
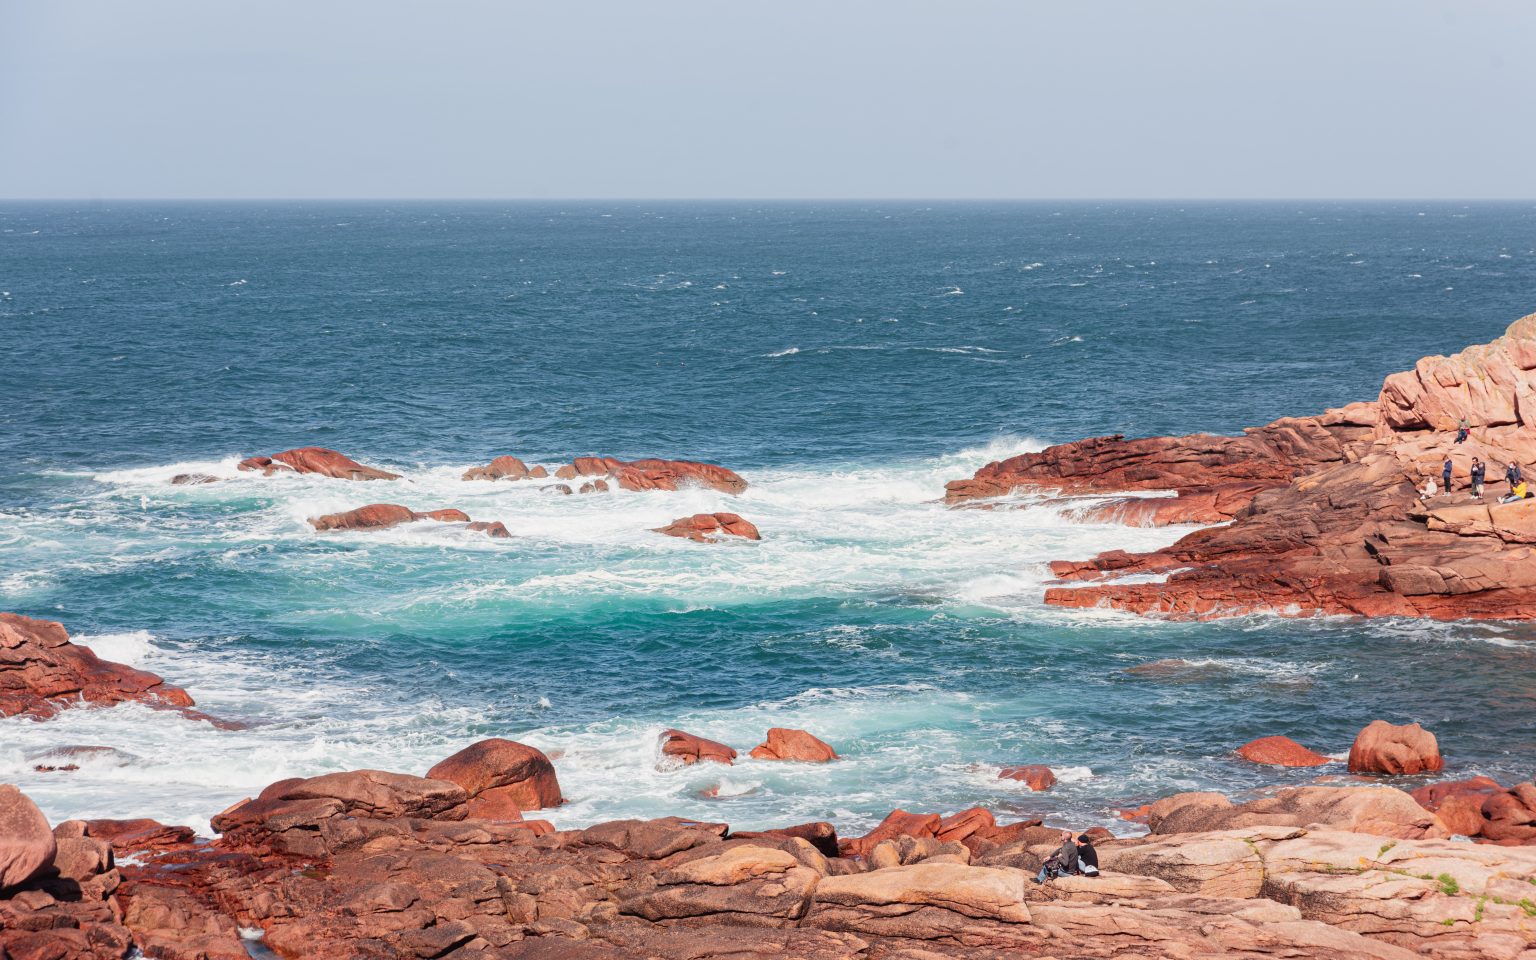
<point x="846" y="358"/>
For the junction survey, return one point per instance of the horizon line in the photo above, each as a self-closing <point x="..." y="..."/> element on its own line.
<point x="829" y="199"/>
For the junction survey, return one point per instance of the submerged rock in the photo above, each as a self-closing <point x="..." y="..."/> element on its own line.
<point x="379" y="516"/>
<point x="689" y="749"/>
<point x="786" y="744"/>
<point x="709" y="527"/>
<point x="316" y="460"/>
<point x="1037" y="776"/>
<point x="501" y="468"/>
<point x="1281" y="752"/>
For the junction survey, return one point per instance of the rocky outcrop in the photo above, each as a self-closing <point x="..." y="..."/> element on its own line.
<point x="709" y="527"/>
<point x="502" y="778"/>
<point x="1341" y="527"/>
<point x="786" y="744"/>
<point x="381" y="865"/>
<point x="42" y="672"/>
<point x="315" y="460"/>
<point x="1395" y="750"/>
<point x="652" y="474"/>
<point x="1280" y="752"/>
<point x="379" y="516"/>
<point x="687" y="749"/>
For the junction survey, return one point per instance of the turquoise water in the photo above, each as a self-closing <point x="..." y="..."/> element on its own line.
<point x="847" y="359"/>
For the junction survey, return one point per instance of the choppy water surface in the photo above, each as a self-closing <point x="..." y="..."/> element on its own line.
<point x="847" y="359"/>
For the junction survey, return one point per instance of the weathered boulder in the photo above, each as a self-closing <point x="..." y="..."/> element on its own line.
<point x="939" y="902"/>
<point x="744" y="884"/>
<point x="897" y="823"/>
<point x="373" y="516"/>
<point x="710" y="527"/>
<point x="688" y="749"/>
<point x="1397" y="750"/>
<point x="500" y="776"/>
<point x="1037" y="776"/>
<point x="654" y="474"/>
<point x="1378" y="811"/>
<point x="192" y="479"/>
<point x="140" y="835"/>
<point x="316" y="460"/>
<point x="819" y="834"/>
<point x="1509" y="816"/>
<point x="787" y="744"/>
<point x="27" y="845"/>
<point x="1458" y="803"/>
<point x="1281" y="752"/>
<point x="1213" y="864"/>
<point x="41" y="672"/>
<point x="501" y="468"/>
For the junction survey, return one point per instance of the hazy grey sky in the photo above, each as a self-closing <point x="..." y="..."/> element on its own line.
<point x="789" y="98"/>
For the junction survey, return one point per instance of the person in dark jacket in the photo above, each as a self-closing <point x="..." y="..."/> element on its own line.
<point x="1479" y="470"/>
<point x="1087" y="857"/>
<point x="1512" y="474"/>
<point x="1062" y="862"/>
<point x="1445" y="476"/>
<point x="1462" y="429"/>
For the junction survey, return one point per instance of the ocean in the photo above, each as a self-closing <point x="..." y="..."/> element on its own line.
<point x="846" y="358"/>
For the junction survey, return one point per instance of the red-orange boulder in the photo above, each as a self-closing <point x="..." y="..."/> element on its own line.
<point x="708" y="527"/>
<point x="820" y="834"/>
<point x="1510" y="815"/>
<point x="654" y="474"/>
<point x="1280" y="752"/>
<point x="41" y="672"/>
<point x="316" y="460"/>
<point x="690" y="749"/>
<point x="26" y="841"/>
<point x="1037" y="776"/>
<point x="786" y="744"/>
<point x="501" y="776"/>
<point x="378" y="516"/>
<point x="141" y="835"/>
<point x="1395" y="750"/>
<point x="958" y="826"/>
<point x="898" y="823"/>
<point x="372" y="517"/>
<point x="502" y="468"/>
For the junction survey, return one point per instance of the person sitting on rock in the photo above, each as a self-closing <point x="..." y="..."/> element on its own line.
<point x="1479" y="470"/>
<point x="1430" y="490"/>
<point x="1087" y="857"/>
<point x="1519" y="493"/>
<point x="1462" y="429"/>
<point x="1061" y="863"/>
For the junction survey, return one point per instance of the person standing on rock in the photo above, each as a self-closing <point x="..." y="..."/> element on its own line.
<point x="1445" y="476"/>
<point x="1462" y="429"/>
<point x="1479" y="469"/>
<point x="1512" y="474"/>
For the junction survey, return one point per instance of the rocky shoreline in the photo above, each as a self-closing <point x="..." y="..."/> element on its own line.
<point x="1324" y="514"/>
<point x="381" y="864"/>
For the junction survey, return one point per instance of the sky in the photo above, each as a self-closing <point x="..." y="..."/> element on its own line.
<point x="753" y="99"/>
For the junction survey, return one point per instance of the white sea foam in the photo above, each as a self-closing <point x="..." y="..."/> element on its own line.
<point x="836" y="531"/>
